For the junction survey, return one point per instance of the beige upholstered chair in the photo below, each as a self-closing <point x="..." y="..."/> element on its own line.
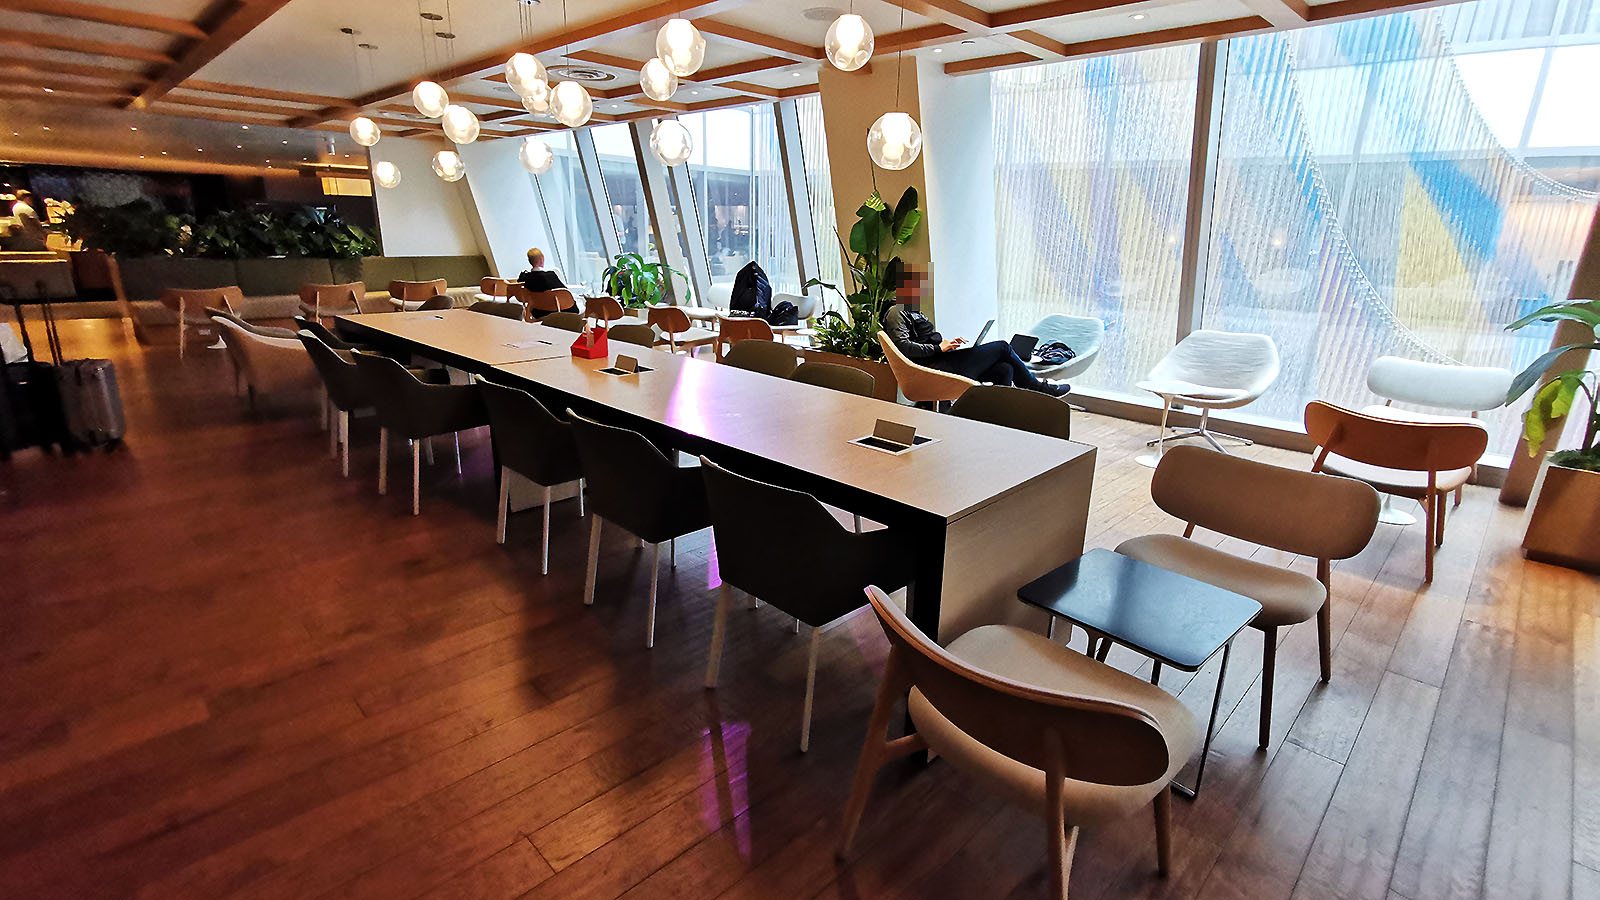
<point x="270" y="365"/>
<point x="921" y="384"/>
<point x="835" y="377"/>
<point x="678" y="329"/>
<point x="1424" y="461"/>
<point x="1317" y="516"/>
<point x="1055" y="731"/>
<point x="1014" y="407"/>
<point x="566" y="321"/>
<point x="639" y="335"/>
<point x="408" y="295"/>
<point x="319" y="301"/>
<point x="190" y="305"/>
<point x="733" y="329"/>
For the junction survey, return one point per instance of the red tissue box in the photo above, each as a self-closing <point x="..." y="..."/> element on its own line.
<point x="591" y="345"/>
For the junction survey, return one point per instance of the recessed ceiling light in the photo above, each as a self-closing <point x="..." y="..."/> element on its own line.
<point x="245" y="127"/>
<point x="45" y="127"/>
<point x="969" y="41"/>
<point x="199" y="149"/>
<point x="238" y="146"/>
<point x="795" y="74"/>
<point x="49" y="90"/>
<point x="141" y="156"/>
<point x="1137" y="17"/>
<point x="286" y="142"/>
<point x="133" y="128"/>
<point x="938" y="49"/>
<point x="163" y="153"/>
<point x="696" y="93"/>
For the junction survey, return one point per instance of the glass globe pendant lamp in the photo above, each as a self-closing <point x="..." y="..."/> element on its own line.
<point x="536" y="156"/>
<point x="849" y="42"/>
<point x="671" y="143"/>
<point x="430" y="99"/>
<point x="364" y="131"/>
<point x="681" y="47"/>
<point x="657" y="81"/>
<point x="447" y="164"/>
<point x="460" y="124"/>
<point x="523" y="72"/>
<point x="537" y="99"/>
<point x="385" y="174"/>
<point x="571" y="104"/>
<point x="894" y="141"/>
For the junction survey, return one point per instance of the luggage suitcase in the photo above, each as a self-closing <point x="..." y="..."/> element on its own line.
<point x="91" y="403"/>
<point x="30" y="407"/>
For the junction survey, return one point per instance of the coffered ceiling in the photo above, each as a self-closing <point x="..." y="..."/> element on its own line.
<point x="80" y="76"/>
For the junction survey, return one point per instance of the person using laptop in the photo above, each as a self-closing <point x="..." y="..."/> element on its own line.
<point x="994" y="362"/>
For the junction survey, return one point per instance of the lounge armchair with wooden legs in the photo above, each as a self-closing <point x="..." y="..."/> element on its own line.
<point x="1013" y="407"/>
<point x="1424" y="461"/>
<point x="346" y="392"/>
<point x="766" y="357"/>
<point x="191" y="306"/>
<point x="1321" y="517"/>
<point x="416" y="412"/>
<point x="677" y="330"/>
<point x="534" y="443"/>
<point x="1057" y="732"/>
<point x="632" y="484"/>
<point x="543" y="303"/>
<point x="835" y="377"/>
<point x="920" y="384"/>
<point x="742" y="511"/>
<point x="606" y="309"/>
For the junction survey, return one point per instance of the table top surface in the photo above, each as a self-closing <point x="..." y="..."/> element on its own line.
<point x="1167" y="616"/>
<point x="970" y="465"/>
<point x="492" y="340"/>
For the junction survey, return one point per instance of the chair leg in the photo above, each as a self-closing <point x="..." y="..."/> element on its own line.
<point x="429" y="441"/>
<point x="857" y="515"/>
<point x="544" y="538"/>
<point x="383" y="461"/>
<point x="344" y="442"/>
<point x="811" y="689"/>
<point x="582" y="485"/>
<point x="672" y="554"/>
<point x="876" y="749"/>
<point x="1325" y="638"/>
<point x="1438" y="520"/>
<point x="502" y="506"/>
<point x="333" y="431"/>
<point x="1430" y="510"/>
<point x="416" y="479"/>
<point x="1269" y="664"/>
<point x="1062" y="839"/>
<point x="719" y="630"/>
<point x="1462" y="488"/>
<point x="1163" y="831"/>
<point x="456" y="436"/>
<point x="650" y="614"/>
<point x="594" y="562"/>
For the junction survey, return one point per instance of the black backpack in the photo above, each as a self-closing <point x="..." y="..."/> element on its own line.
<point x="785" y="313"/>
<point x="752" y="293"/>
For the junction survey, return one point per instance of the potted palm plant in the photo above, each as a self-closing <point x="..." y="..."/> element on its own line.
<point x="849" y="336"/>
<point x="637" y="284"/>
<point x="1565" y="526"/>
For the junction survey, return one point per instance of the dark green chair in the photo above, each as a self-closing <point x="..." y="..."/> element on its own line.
<point x="834" y="377"/>
<point x="534" y="443"/>
<point x="1016" y="408"/>
<point x="346" y="392"/>
<point x="416" y="412"/>
<point x="767" y="357"/>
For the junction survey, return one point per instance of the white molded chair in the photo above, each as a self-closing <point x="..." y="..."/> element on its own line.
<point x="1083" y="334"/>
<point x="1210" y="370"/>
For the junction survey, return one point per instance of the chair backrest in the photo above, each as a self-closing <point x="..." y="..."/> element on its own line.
<point x="766" y="357"/>
<point x="495" y="287"/>
<point x="1084" y="738"/>
<point x="331" y="299"/>
<point x="508" y="309"/>
<point x="643" y="335"/>
<point x="1308" y="513"/>
<point x="1458" y="388"/>
<point x="387" y="385"/>
<point x="806" y="304"/>
<point x="193" y="302"/>
<point x="1017" y="408"/>
<point x="835" y="377"/>
<point x="558" y="300"/>
<point x="527" y="437"/>
<point x="345" y="385"/>
<point x="629" y="480"/>
<point x="670" y="319"/>
<point x="1221" y="359"/>
<point x="321" y="333"/>
<point x="417" y="291"/>
<point x="921" y="384"/>
<point x="566" y="321"/>
<point x="603" y="308"/>
<point x="1083" y="334"/>
<point x="438" y="301"/>
<point x="1411" y="446"/>
<point x="733" y="329"/>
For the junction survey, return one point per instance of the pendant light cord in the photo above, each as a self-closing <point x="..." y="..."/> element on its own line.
<point x="898" y="55"/>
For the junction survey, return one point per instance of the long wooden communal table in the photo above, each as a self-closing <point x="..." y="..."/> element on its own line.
<point x="988" y="508"/>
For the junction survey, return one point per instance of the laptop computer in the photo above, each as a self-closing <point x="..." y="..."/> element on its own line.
<point x="983" y="334"/>
<point x="1023" y="344"/>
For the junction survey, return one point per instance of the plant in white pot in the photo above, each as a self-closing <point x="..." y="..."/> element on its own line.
<point x="1565" y="525"/>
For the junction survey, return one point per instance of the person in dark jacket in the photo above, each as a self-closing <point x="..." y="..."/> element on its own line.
<point x="537" y="277"/>
<point x="993" y="362"/>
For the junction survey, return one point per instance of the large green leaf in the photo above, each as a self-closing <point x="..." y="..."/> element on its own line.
<point x="1530" y="376"/>
<point x="1574" y="310"/>
<point x="906" y="227"/>
<point x="908" y="202"/>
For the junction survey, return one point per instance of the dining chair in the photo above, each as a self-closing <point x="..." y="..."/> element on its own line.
<point x="566" y="321"/>
<point x="541" y="303"/>
<point x="508" y="309"/>
<point x="1321" y="517"/>
<point x="766" y="357"/>
<point x="1084" y="334"/>
<point x="604" y="308"/>
<point x="1063" y="735"/>
<point x="833" y="376"/>
<point x="409" y="295"/>
<point x="1209" y="370"/>
<point x="416" y="412"/>
<point x="1423" y="461"/>
<point x="642" y="335"/>
<point x="303" y="323"/>
<point x="235" y="358"/>
<point x="742" y="510"/>
<point x="1014" y="407"/>
<point x="920" y="384"/>
<point x="190" y="305"/>
<point x="318" y="301"/>
<point x="733" y="329"/>
<point x="678" y="329"/>
<point x="436" y="302"/>
<point x="270" y="365"/>
<point x="1456" y="389"/>
<point x="533" y="442"/>
<point x="347" y="392"/>
<point x="495" y="287"/>
<point x="633" y="485"/>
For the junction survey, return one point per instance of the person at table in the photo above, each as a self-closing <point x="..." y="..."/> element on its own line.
<point x="992" y="361"/>
<point x="537" y="278"/>
<point x="30" y="233"/>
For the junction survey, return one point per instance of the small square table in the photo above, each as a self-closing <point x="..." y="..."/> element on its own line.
<point x="1171" y="618"/>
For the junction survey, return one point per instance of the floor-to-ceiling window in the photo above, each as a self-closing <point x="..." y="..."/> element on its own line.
<point x="625" y="200"/>
<point x="578" y="253"/>
<point x="819" y="189"/>
<point x="740" y="195"/>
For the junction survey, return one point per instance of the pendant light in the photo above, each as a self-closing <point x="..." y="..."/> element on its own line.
<point x="895" y="140"/>
<point x="460" y="124"/>
<point x="524" y="72"/>
<point x="849" y="43"/>
<point x="385" y="174"/>
<point x="671" y="142"/>
<point x="447" y="164"/>
<point x="430" y="99"/>
<point x="681" y="47"/>
<point x="571" y="104"/>
<point x="537" y="100"/>
<point x="536" y="156"/>
<point x="656" y="80"/>
<point x="363" y="130"/>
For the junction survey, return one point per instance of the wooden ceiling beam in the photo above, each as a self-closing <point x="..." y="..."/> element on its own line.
<point x="918" y="37"/>
<point x="225" y="24"/>
<point x="1023" y="16"/>
<point x="106" y="15"/>
<point x="90" y="96"/>
<point x="67" y="82"/>
<point x="1121" y="44"/>
<point x="479" y="100"/>
<point x="950" y="12"/>
<point x="759" y="90"/>
<point x="244" y="90"/>
<point x="239" y="105"/>
<point x="37" y="39"/>
<point x="609" y="60"/>
<point x="774" y="45"/>
<point x="1281" y="13"/>
<point x="1353" y="9"/>
<point x="86" y="70"/>
<point x="168" y="108"/>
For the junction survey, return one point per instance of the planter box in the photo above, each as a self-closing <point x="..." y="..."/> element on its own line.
<point x="1565" y="520"/>
<point x="884" y="386"/>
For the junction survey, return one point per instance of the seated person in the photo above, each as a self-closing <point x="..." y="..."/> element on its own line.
<point x="993" y="361"/>
<point x="536" y="277"/>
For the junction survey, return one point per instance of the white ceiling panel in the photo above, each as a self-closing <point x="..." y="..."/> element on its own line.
<point x="1140" y="18"/>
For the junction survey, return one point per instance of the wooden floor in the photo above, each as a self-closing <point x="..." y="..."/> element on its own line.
<point x="227" y="672"/>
